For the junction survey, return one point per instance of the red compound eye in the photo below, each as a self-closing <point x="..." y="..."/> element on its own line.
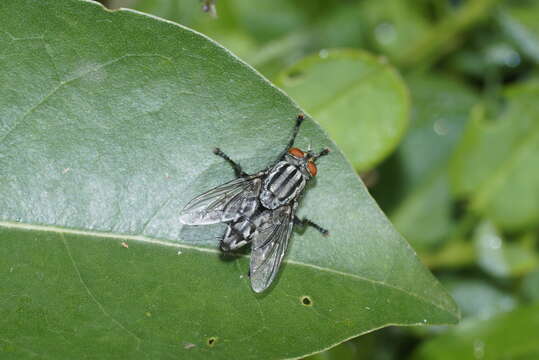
<point x="312" y="168"/>
<point x="296" y="152"/>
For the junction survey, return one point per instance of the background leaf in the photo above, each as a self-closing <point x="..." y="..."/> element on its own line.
<point x="107" y="124"/>
<point x="413" y="185"/>
<point x="494" y="164"/>
<point x="348" y="92"/>
<point x="501" y="258"/>
<point x="394" y="25"/>
<point x="479" y="299"/>
<point x="530" y="286"/>
<point x="519" y="21"/>
<point x="497" y="338"/>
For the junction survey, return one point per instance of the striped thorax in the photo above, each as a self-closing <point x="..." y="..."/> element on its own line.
<point x="287" y="179"/>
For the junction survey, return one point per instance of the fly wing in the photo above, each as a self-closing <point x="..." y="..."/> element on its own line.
<point x="223" y="203"/>
<point x="269" y="246"/>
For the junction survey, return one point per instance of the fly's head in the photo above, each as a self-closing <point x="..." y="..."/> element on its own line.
<point x="305" y="160"/>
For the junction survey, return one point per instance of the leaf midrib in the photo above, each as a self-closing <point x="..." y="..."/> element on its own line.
<point x="149" y="240"/>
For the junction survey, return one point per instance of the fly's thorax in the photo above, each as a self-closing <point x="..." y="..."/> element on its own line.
<point x="283" y="184"/>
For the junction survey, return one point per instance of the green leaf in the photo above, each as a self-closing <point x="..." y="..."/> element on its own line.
<point x="518" y="20"/>
<point x="360" y="100"/>
<point x="495" y="164"/>
<point x="422" y="33"/>
<point x="530" y="286"/>
<point x="477" y="298"/>
<point x="504" y="336"/>
<point x="107" y="124"/>
<point x="420" y="191"/>
<point x="441" y="107"/>
<point x="425" y="216"/>
<point x="501" y="258"/>
<point x="394" y="25"/>
<point x="447" y="34"/>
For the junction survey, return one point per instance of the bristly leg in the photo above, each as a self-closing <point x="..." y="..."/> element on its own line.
<point x="306" y="222"/>
<point x="299" y="120"/>
<point x="321" y="153"/>
<point x="237" y="167"/>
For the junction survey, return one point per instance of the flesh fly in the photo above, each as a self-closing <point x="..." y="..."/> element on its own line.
<point x="259" y="209"/>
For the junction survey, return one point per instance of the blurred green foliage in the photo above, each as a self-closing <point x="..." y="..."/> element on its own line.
<point x="459" y="176"/>
<point x="333" y="85"/>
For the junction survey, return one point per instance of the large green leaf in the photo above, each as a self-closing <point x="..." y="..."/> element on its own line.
<point x="360" y="100"/>
<point x="505" y="336"/>
<point x="107" y="124"/>
<point x="495" y="164"/>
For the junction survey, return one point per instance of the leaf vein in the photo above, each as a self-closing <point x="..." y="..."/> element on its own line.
<point x="93" y="297"/>
<point x="68" y="81"/>
<point x="148" y="240"/>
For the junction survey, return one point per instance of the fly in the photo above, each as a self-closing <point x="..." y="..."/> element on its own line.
<point x="259" y="209"/>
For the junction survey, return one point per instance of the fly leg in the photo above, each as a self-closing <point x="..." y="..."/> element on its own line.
<point x="306" y="222"/>
<point x="299" y="120"/>
<point x="321" y="153"/>
<point x="237" y="167"/>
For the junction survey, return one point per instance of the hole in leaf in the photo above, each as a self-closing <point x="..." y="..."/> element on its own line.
<point x="305" y="300"/>
<point x="212" y="341"/>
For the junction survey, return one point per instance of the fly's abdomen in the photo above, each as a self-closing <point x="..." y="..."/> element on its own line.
<point x="237" y="234"/>
<point x="283" y="184"/>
